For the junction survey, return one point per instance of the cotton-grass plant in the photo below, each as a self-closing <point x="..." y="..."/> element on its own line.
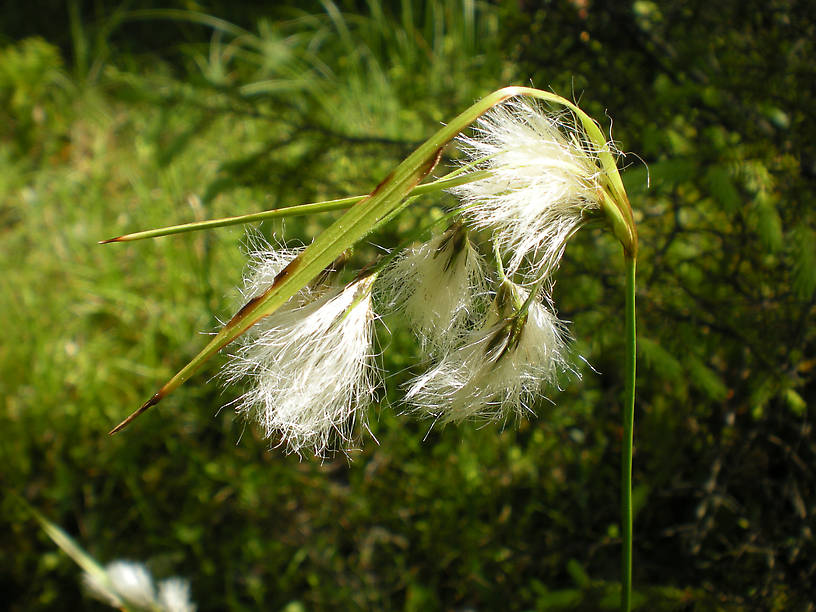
<point x="477" y="293"/>
<point x="310" y="363"/>
<point x="128" y="585"/>
<point x="125" y="585"/>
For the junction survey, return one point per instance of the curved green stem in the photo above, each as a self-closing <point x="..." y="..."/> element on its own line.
<point x="628" y="427"/>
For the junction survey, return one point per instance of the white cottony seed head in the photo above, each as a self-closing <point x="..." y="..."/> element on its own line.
<point x="100" y="587"/>
<point x="132" y="582"/>
<point x="127" y="582"/>
<point x="174" y="596"/>
<point x="544" y="178"/>
<point x="438" y="285"/>
<point x="310" y="368"/>
<point x="498" y="371"/>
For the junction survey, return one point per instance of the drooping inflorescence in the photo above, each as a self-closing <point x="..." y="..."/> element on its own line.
<point x="489" y="333"/>
<point x="543" y="183"/>
<point x="310" y="364"/>
<point x="129" y="585"/>
<point x="478" y="295"/>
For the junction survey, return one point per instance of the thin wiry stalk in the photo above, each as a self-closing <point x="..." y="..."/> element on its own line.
<point x="628" y="438"/>
<point x="446" y="182"/>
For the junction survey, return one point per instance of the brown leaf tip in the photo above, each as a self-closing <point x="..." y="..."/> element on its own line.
<point x="151" y="402"/>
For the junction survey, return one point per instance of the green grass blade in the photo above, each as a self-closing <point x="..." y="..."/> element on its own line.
<point x="451" y="180"/>
<point x="191" y="17"/>
<point x="288" y="211"/>
<point x="69" y="546"/>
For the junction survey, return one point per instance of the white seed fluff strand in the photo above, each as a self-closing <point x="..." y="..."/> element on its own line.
<point x="265" y="263"/>
<point x="174" y="596"/>
<point x="311" y="369"/>
<point x="128" y="583"/>
<point x="438" y="303"/>
<point x="544" y="176"/>
<point x="474" y="382"/>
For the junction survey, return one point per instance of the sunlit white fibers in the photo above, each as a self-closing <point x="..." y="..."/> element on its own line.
<point x="127" y="583"/>
<point x="438" y="286"/>
<point x="174" y="596"/>
<point x="495" y="374"/>
<point x="544" y="177"/>
<point x="310" y="368"/>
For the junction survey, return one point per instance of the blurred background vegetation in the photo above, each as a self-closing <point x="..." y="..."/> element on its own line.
<point x="119" y="117"/>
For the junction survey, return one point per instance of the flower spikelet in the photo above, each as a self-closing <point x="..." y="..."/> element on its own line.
<point x="174" y="596"/>
<point x="544" y="179"/>
<point x="438" y="286"/>
<point x="499" y="369"/>
<point x="311" y="368"/>
<point x="265" y="263"/>
<point x="127" y="583"/>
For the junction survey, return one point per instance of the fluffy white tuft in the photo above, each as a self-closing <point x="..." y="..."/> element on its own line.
<point x="438" y="285"/>
<point x="174" y="596"/>
<point x="544" y="178"/>
<point x="311" y="368"/>
<point x="495" y="374"/>
<point x="265" y="263"/>
<point x="127" y="583"/>
<point x="100" y="587"/>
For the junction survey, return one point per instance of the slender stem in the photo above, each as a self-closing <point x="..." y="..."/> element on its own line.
<point x="499" y="262"/>
<point x="628" y="426"/>
<point x="446" y="182"/>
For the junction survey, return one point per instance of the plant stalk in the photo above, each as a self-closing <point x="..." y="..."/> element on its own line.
<point x="628" y="436"/>
<point x="446" y="182"/>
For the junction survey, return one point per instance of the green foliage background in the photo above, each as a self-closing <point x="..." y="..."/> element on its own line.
<point x="118" y="119"/>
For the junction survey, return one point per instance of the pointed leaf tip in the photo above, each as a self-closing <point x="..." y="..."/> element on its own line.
<point x="151" y="402"/>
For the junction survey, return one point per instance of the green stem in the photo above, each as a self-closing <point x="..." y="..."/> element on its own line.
<point x="451" y="180"/>
<point x="499" y="262"/>
<point x="628" y="436"/>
